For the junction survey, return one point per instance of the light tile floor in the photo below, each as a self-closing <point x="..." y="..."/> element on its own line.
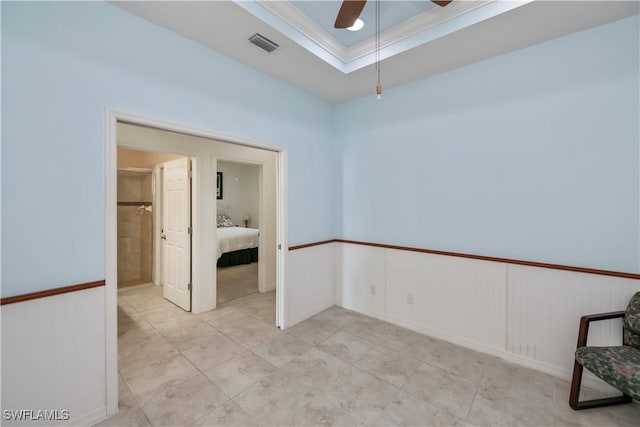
<point x="232" y="367"/>
<point x="236" y="282"/>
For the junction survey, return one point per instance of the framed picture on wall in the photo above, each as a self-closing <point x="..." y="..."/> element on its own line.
<point x="219" y="185"/>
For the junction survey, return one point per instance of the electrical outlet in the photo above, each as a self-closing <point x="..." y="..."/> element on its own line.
<point x="372" y="290"/>
<point x="409" y="298"/>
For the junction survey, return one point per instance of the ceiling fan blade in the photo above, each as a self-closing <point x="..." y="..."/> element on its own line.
<point x="442" y="3"/>
<point x="349" y="12"/>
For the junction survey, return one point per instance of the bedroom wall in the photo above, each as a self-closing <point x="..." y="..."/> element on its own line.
<point x="546" y="128"/>
<point x="531" y="155"/>
<point x="63" y="65"/>
<point x="240" y="192"/>
<point x="63" y="73"/>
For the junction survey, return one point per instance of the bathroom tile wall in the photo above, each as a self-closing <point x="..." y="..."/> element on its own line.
<point x="135" y="229"/>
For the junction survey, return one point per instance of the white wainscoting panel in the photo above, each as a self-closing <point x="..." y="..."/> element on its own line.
<point x="545" y="306"/>
<point x="462" y="299"/>
<point x="527" y="315"/>
<point x="361" y="279"/>
<point x="53" y="356"/>
<point x="310" y="284"/>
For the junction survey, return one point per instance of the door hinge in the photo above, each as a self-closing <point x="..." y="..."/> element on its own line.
<point x="190" y="230"/>
<point x="279" y="247"/>
<point x="189" y="286"/>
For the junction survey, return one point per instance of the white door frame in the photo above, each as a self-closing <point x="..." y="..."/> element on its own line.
<point x="157" y="224"/>
<point x="111" y="261"/>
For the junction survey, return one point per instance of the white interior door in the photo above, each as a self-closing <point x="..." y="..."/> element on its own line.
<point x="176" y="232"/>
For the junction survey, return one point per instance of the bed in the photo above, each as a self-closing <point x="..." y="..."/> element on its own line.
<point x="236" y="245"/>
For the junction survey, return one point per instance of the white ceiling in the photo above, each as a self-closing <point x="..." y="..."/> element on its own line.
<point x="314" y="59"/>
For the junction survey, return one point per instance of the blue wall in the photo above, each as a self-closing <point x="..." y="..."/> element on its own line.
<point x="63" y="65"/>
<point x="531" y="155"/>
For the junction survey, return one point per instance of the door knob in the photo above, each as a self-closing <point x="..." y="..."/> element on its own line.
<point x="163" y="236"/>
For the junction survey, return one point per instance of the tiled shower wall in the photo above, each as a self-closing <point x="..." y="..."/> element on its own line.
<point x="135" y="229"/>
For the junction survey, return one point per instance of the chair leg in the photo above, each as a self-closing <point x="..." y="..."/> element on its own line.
<point x="576" y="381"/>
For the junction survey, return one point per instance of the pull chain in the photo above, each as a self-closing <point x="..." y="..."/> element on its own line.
<point x="378" y="86"/>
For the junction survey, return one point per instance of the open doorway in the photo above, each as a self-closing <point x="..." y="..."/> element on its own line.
<point x="139" y="216"/>
<point x="157" y="331"/>
<point x="135" y="226"/>
<point x="238" y="224"/>
<point x="154" y="223"/>
<point x="238" y="230"/>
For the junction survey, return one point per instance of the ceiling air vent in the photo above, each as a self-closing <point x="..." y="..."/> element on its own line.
<point x="263" y="42"/>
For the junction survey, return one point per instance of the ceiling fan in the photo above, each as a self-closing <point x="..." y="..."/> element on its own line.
<point x="351" y="10"/>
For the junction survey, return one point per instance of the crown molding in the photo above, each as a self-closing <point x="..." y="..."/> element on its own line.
<point x="294" y="17"/>
<point x="421" y="29"/>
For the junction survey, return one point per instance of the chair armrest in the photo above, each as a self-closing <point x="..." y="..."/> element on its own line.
<point x="603" y="316"/>
<point x="585" y="320"/>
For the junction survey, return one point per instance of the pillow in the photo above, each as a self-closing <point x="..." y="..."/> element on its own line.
<point x="224" y="221"/>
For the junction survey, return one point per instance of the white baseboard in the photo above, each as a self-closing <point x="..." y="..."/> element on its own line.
<point x="270" y="289"/>
<point x="527" y="315"/>
<point x="141" y="285"/>
<point x="306" y="315"/>
<point x="90" y="418"/>
<point x="555" y="371"/>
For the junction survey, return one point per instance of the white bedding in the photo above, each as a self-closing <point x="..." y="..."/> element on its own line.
<point x="236" y="238"/>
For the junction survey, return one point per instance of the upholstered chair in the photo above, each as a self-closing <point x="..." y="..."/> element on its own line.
<point x="619" y="366"/>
